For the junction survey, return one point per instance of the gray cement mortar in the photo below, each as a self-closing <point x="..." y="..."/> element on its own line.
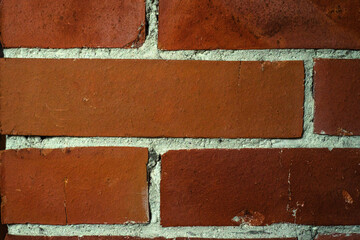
<point x="158" y="146"/>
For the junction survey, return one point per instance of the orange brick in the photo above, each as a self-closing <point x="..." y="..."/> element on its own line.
<point x="72" y="23"/>
<point x="151" y="98"/>
<point x="75" y="185"/>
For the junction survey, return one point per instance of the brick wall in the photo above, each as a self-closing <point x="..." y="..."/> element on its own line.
<point x="179" y="119"/>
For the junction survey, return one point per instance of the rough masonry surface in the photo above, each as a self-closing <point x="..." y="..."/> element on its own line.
<point x="149" y="50"/>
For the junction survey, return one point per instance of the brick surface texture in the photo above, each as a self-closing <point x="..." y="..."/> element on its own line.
<point x="337" y="97"/>
<point x="72" y="23"/>
<point x="258" y="24"/>
<point x="304" y="186"/>
<point x="75" y="185"/>
<point x="152" y="98"/>
<point x="180" y="119"/>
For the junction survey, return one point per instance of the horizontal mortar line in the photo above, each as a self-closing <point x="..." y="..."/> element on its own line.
<point x="161" y="145"/>
<point x="154" y="230"/>
<point x="151" y="52"/>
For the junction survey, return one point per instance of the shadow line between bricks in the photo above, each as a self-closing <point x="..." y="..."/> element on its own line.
<point x="3" y="228"/>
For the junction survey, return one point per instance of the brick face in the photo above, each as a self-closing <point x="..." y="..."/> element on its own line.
<point x="228" y="187"/>
<point x="325" y="186"/>
<point x="210" y="187"/>
<point x="337" y="96"/>
<point x="75" y="185"/>
<point x="68" y="24"/>
<point x="152" y="98"/>
<point x="258" y="24"/>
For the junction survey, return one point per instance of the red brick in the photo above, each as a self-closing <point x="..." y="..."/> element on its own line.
<point x="72" y="23"/>
<point x="151" y="98"/>
<point x="215" y="187"/>
<point x="75" y="185"/>
<point x="228" y="187"/>
<point x="325" y="186"/>
<point x="258" y="24"/>
<point x="337" y="96"/>
<point x="338" y="237"/>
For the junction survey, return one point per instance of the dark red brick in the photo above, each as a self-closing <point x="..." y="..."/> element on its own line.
<point x="260" y="187"/>
<point x="338" y="237"/>
<point x="258" y="24"/>
<point x="75" y="185"/>
<point x="223" y="187"/>
<point x="151" y="98"/>
<point x="72" y="23"/>
<point x="337" y="96"/>
<point x="325" y="186"/>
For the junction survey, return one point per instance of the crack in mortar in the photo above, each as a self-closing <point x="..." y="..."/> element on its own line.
<point x="158" y="146"/>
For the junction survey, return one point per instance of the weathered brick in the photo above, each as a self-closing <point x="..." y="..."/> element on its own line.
<point x="151" y="98"/>
<point x="258" y="24"/>
<point x="72" y="23"/>
<point x="324" y="186"/>
<point x="75" y="185"/>
<point x="260" y="187"/>
<point x="337" y="96"/>
<point x="338" y="237"/>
